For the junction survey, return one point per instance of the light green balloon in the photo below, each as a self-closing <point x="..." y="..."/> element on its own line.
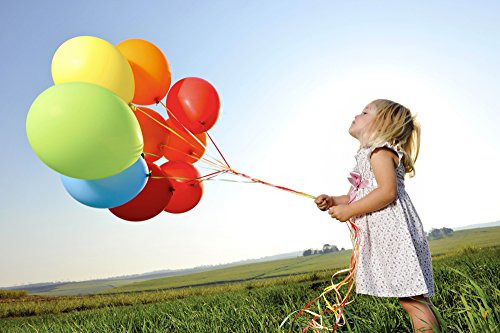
<point x="84" y="131"/>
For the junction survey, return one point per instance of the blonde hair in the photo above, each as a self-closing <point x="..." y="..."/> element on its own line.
<point x="394" y="123"/>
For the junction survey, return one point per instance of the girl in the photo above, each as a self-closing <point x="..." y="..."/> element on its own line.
<point x="394" y="258"/>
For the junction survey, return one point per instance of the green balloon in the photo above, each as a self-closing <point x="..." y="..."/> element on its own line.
<point x="83" y="131"/>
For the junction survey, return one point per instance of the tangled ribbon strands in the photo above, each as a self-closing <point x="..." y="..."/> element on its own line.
<point x="220" y="166"/>
<point x="216" y="163"/>
<point x="255" y="180"/>
<point x="339" y="301"/>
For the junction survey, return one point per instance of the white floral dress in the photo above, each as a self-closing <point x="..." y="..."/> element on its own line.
<point x="394" y="257"/>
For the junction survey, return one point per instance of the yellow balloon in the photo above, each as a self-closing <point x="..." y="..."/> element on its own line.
<point x="94" y="60"/>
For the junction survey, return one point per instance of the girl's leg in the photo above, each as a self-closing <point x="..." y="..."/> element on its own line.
<point x="428" y="300"/>
<point x="421" y="314"/>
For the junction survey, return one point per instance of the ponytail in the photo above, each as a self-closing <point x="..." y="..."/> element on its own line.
<point x="411" y="148"/>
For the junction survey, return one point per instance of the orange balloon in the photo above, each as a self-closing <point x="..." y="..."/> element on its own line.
<point x="187" y="189"/>
<point x="151" y="70"/>
<point x="154" y="135"/>
<point x="180" y="145"/>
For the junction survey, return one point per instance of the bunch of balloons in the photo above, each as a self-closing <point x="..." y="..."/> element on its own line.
<point x="89" y="128"/>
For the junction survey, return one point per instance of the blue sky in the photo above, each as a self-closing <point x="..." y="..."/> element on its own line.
<point x="291" y="75"/>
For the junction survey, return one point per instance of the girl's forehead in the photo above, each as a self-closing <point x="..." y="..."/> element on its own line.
<point x="370" y="107"/>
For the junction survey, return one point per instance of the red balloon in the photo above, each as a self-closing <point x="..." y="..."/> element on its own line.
<point x="194" y="103"/>
<point x="187" y="189"/>
<point x="150" y="201"/>
<point x="154" y="134"/>
<point x="180" y="145"/>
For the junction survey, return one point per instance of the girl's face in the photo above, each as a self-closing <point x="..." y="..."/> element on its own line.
<point x="360" y="126"/>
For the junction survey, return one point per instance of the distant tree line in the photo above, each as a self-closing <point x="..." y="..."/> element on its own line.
<point x="439" y="233"/>
<point x="327" y="248"/>
<point x="431" y="235"/>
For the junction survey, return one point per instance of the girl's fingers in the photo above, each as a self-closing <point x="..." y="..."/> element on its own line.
<point x="319" y="200"/>
<point x="321" y="203"/>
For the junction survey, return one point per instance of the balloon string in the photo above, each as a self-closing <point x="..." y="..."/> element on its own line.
<point x="341" y="302"/>
<point x="210" y="175"/>
<point x="223" y="166"/>
<point x="213" y="142"/>
<point x="170" y="114"/>
<point x="349" y="280"/>
<point x="135" y="108"/>
<point x="192" y="155"/>
<point x="255" y="180"/>
<point x="151" y="154"/>
<point x="198" y="179"/>
<point x="232" y="181"/>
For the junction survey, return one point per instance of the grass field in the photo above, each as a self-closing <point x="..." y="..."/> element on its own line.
<point x="482" y="237"/>
<point x="467" y="299"/>
<point x="467" y="276"/>
<point x="85" y="287"/>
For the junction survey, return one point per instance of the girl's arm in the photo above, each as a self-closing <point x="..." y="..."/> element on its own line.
<point x="325" y="201"/>
<point x="384" y="164"/>
<point x="341" y="199"/>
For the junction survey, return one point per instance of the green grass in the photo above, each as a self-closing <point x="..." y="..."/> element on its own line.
<point x="466" y="269"/>
<point x="86" y="287"/>
<point x="55" y="305"/>
<point x="12" y="294"/>
<point x="275" y="268"/>
<point x="482" y="237"/>
<point x="466" y="287"/>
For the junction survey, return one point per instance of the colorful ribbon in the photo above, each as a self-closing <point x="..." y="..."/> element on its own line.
<point x="221" y="167"/>
<point x="337" y="307"/>
<point x="341" y="302"/>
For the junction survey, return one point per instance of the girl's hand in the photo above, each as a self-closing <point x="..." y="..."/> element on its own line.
<point x="323" y="202"/>
<point x="340" y="212"/>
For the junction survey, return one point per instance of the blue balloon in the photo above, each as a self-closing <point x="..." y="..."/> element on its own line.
<point x="111" y="191"/>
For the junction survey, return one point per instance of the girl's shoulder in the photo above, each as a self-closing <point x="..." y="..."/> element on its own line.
<point x="395" y="148"/>
<point x="368" y="150"/>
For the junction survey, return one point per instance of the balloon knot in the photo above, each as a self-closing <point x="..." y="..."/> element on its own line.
<point x="150" y="174"/>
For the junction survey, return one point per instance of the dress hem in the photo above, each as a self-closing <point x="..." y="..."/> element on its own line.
<point x="425" y="293"/>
